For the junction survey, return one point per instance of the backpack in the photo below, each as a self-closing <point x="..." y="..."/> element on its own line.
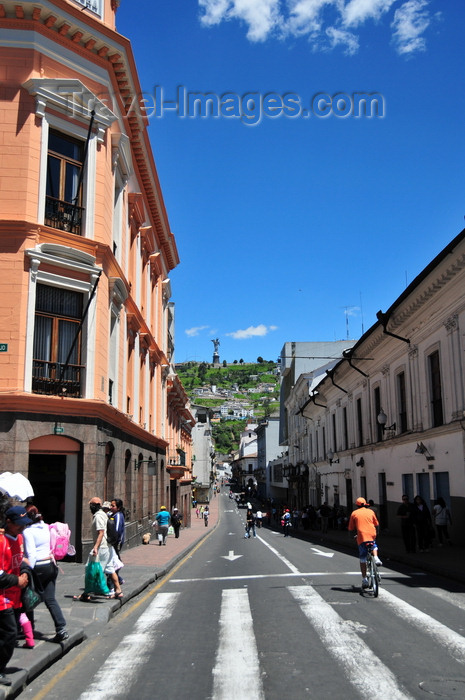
<point x="112" y="534"/>
<point x="60" y="546"/>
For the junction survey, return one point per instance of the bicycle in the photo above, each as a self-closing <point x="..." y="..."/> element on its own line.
<point x="373" y="575"/>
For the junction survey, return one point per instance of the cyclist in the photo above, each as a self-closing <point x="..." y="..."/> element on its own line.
<point x="364" y="522"/>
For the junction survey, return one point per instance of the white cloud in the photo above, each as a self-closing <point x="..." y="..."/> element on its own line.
<point x="261" y="16"/>
<point x="325" y="23"/>
<point x="252" y="332"/>
<point x="305" y="16"/>
<point x="359" y="11"/>
<point x="343" y="37"/>
<point x="191" y="332"/>
<point x="410" y="22"/>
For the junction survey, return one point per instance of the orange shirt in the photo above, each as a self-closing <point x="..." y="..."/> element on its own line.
<point x="365" y="522"/>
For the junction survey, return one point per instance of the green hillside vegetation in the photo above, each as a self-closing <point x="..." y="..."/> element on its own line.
<point x="237" y="377"/>
<point x="226" y="435"/>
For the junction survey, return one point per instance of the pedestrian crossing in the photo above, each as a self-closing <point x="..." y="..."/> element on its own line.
<point x="345" y="644"/>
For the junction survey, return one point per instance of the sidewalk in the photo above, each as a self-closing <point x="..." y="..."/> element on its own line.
<point x="143" y="565"/>
<point x="448" y="561"/>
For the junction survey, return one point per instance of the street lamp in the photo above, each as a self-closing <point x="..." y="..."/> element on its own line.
<point x="382" y="420"/>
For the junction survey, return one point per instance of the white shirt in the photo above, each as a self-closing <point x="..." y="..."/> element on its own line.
<point x="37" y="542"/>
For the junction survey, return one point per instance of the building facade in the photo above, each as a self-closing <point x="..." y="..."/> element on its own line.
<point x="89" y="400"/>
<point x="389" y="417"/>
<point x="203" y="454"/>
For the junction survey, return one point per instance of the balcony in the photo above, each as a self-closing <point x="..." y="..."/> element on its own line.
<point x="63" y="215"/>
<point x="47" y="379"/>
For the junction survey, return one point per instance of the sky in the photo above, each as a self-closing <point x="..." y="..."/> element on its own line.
<point x="326" y="173"/>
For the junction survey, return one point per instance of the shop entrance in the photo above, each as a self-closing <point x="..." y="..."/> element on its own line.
<point x="47" y="474"/>
<point x="54" y="465"/>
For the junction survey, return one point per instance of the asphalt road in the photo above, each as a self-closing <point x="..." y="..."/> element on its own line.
<point x="272" y="618"/>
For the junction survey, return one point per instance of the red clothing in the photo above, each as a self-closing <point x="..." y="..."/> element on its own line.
<point x="11" y="556"/>
<point x="365" y="522"/>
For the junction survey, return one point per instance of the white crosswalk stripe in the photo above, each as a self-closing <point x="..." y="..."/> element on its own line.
<point x="444" y="636"/>
<point x="361" y="666"/>
<point x="237" y="655"/>
<point x="122" y="666"/>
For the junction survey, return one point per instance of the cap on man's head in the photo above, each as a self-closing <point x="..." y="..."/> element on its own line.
<point x="18" y="516"/>
<point x="106" y="505"/>
<point x="361" y="502"/>
<point x="162" y="508"/>
<point x="174" y="509"/>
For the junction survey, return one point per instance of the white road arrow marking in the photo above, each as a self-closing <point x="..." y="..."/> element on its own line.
<point x="322" y="554"/>
<point x="231" y="556"/>
<point x="228" y="511"/>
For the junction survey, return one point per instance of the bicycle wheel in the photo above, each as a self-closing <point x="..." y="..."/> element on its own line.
<point x="374" y="578"/>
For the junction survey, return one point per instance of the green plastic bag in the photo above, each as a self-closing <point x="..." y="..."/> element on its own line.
<point x="95" y="580"/>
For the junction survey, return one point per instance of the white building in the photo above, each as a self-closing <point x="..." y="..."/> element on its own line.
<point x="203" y="452"/>
<point x="389" y="418"/>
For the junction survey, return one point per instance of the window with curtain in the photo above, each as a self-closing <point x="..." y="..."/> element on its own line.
<point x="63" y="202"/>
<point x="57" y="341"/>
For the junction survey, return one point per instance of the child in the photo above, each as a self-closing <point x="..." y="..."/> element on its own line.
<point x="27" y="629"/>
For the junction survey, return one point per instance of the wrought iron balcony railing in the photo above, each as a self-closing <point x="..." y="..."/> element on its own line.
<point x="49" y="378"/>
<point x="63" y="215"/>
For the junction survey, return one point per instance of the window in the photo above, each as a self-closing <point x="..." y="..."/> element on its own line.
<point x="358" y="406"/>
<point x="63" y="198"/>
<point x="345" y="445"/>
<point x="436" y="390"/>
<point x="377" y="406"/>
<point x="94" y="6"/>
<point x="334" y="433"/>
<point x="56" y="364"/>
<point x="402" y="402"/>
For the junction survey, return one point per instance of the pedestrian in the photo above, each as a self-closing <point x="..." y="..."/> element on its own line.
<point x="286" y="522"/>
<point x="259" y="518"/>
<point x="325" y="513"/>
<point x="442" y="519"/>
<point x="295" y="518"/>
<point x="12" y="582"/>
<point x="202" y="511"/>
<point x="176" y="519"/>
<point x="371" y="505"/>
<point x="305" y="519"/>
<point x="101" y="549"/>
<point x="116" y="514"/>
<point x="163" y="520"/>
<point x="406" y="515"/>
<point x="250" y="522"/>
<point x="423" y="524"/>
<point x="206" y="515"/>
<point x="364" y="522"/>
<point x="38" y="551"/>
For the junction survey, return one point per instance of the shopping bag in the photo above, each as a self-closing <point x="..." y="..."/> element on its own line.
<point x="95" y="580"/>
<point x="30" y="598"/>
<point x="171" y="530"/>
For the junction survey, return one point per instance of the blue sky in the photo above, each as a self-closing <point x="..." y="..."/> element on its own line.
<point x="301" y="226"/>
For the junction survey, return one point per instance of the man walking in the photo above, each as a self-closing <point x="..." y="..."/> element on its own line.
<point x="101" y="549"/>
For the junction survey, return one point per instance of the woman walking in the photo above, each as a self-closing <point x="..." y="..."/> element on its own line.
<point x="44" y="570"/>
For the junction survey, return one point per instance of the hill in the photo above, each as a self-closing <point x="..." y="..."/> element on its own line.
<point x="240" y="391"/>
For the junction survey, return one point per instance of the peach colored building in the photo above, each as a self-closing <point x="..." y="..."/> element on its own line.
<point x="90" y="403"/>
